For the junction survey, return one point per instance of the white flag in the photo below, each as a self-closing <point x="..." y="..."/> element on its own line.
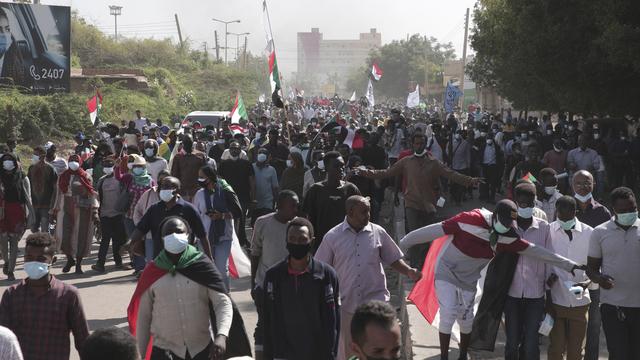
<point x="353" y="97"/>
<point x="369" y="95"/>
<point x="413" y="99"/>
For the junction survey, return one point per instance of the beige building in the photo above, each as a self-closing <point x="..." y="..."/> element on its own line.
<point x="333" y="60"/>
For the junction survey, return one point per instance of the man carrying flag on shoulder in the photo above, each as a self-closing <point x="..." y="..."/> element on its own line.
<point x="463" y="246"/>
<point x="181" y="308"/>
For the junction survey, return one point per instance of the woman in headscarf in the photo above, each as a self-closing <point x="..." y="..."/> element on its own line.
<point x="137" y="182"/>
<point x="293" y="176"/>
<point x="76" y="213"/>
<point x="155" y="163"/>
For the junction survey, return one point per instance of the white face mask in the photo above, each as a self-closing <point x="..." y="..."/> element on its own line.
<point x="176" y="243"/>
<point x="525" y="213"/>
<point x="8" y="165"/>
<point x="108" y="170"/>
<point x="35" y="159"/>
<point x="289" y="163"/>
<point x="557" y="149"/>
<point x="584" y="198"/>
<point x="596" y="136"/>
<point x="550" y="190"/>
<point x="321" y="165"/>
<point x="74" y="165"/>
<point x="36" y="270"/>
<point x="105" y="135"/>
<point x="166" y="195"/>
<point x="149" y="152"/>
<point x="262" y="157"/>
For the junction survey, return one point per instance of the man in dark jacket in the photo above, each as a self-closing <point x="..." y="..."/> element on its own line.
<point x="301" y="302"/>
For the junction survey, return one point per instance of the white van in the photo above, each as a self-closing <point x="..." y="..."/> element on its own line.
<point x="206" y="117"/>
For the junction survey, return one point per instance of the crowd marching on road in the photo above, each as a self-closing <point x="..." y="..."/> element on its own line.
<point x="291" y="199"/>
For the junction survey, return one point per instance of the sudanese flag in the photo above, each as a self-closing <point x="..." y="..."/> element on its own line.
<point x="199" y="268"/>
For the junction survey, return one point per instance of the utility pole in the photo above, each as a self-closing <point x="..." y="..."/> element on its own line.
<point x="116" y="11"/>
<point x="238" y="45"/>
<point x="244" y="54"/>
<point x="215" y="34"/>
<point x="464" y="58"/>
<point x="226" y="34"/>
<point x="426" y="70"/>
<point x="179" y="32"/>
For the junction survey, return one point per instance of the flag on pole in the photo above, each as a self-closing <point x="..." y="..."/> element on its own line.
<point x="274" y="74"/>
<point x="529" y="177"/>
<point x="452" y="94"/>
<point x="94" y="105"/>
<point x="353" y="97"/>
<point x="413" y="99"/>
<point x="369" y="94"/>
<point x="376" y="71"/>
<point x="239" y="111"/>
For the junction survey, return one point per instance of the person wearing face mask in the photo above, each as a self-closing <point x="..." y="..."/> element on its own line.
<point x="266" y="184"/>
<point x="475" y="238"/>
<point x="556" y="159"/>
<point x="316" y="174"/>
<point x="185" y="167"/>
<point x="531" y="164"/>
<point x="422" y="174"/>
<point x="17" y="209"/>
<point x="13" y="68"/>
<point x="492" y="160"/>
<point x="219" y="207"/>
<point x="57" y="162"/>
<point x="43" y="180"/>
<point x="76" y="214"/>
<point x="54" y="309"/>
<point x="110" y="190"/>
<point x="583" y="157"/>
<point x="548" y="193"/>
<point x="325" y="201"/>
<point x="301" y="290"/>
<point x="293" y="176"/>
<point x="136" y="182"/>
<point x="570" y="238"/>
<point x="171" y="204"/>
<point x="360" y="269"/>
<point x="524" y="306"/>
<point x="460" y="161"/>
<point x="238" y="172"/>
<point x="200" y="321"/>
<point x="614" y="264"/>
<point x="527" y="140"/>
<point x="155" y="163"/>
<point x="375" y="332"/>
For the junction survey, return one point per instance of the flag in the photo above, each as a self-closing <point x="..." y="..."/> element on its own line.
<point x="274" y="74"/>
<point x="237" y="129"/>
<point x="369" y="94"/>
<point x="353" y="97"/>
<point x="239" y="111"/>
<point x="354" y="140"/>
<point x="239" y="264"/>
<point x="529" y="177"/>
<point x="413" y="99"/>
<point x="376" y="71"/>
<point x="94" y="105"/>
<point x="452" y="93"/>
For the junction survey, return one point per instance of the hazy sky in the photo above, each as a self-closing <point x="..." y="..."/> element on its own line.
<point x="337" y="19"/>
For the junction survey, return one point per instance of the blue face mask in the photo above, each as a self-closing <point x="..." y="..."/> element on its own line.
<point x="501" y="229"/>
<point x="525" y="213"/>
<point x="567" y="225"/>
<point x="137" y="171"/>
<point x="5" y="43"/>
<point x="627" y="219"/>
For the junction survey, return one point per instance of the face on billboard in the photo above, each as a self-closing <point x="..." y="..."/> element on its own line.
<point x="35" y="47"/>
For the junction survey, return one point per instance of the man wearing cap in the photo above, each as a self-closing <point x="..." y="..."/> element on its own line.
<point x="474" y="238"/>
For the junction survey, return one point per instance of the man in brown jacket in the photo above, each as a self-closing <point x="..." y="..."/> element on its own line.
<point x="185" y="167"/>
<point x="422" y="172"/>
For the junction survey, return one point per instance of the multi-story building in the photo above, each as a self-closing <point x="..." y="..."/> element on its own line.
<point x="333" y="60"/>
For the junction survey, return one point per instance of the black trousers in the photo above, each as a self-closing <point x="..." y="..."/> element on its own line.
<point x="622" y="329"/>
<point x="242" y="223"/>
<point x="112" y="229"/>
<point x="415" y="219"/>
<point x="456" y="190"/>
<point x="492" y="181"/>
<point x="161" y="354"/>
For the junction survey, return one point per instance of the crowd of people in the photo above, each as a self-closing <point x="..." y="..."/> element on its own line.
<point x="309" y="182"/>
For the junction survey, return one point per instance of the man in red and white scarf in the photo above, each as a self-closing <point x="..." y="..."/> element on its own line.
<point x="465" y="244"/>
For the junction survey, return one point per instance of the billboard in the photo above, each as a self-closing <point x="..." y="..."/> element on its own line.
<point x="35" y="47"/>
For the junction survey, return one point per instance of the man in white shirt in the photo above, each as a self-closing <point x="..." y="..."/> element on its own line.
<point x="140" y="121"/>
<point x="548" y="193"/>
<point x="569" y="238"/>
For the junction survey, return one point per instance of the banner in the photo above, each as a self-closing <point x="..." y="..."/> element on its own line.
<point x="413" y="99"/>
<point x="451" y="96"/>
<point x="35" y="47"/>
<point x="369" y="94"/>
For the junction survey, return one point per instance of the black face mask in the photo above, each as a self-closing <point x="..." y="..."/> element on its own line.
<point x="298" y="251"/>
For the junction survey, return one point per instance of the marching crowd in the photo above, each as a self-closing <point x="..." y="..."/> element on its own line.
<point x="309" y="182"/>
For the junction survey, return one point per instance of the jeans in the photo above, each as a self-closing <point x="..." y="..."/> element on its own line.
<point x="592" y="348"/>
<point x="112" y="231"/>
<point x="621" y="327"/>
<point x="161" y="354"/>
<point x="221" y="252"/>
<point x="41" y="222"/>
<point x="522" y="321"/>
<point x="138" y="261"/>
<point x="258" y="335"/>
<point x="415" y="219"/>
